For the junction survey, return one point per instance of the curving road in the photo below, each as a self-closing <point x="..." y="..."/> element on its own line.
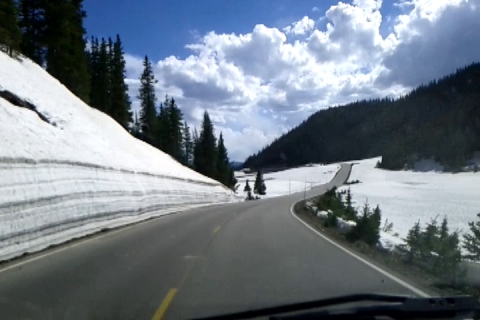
<point x="202" y="262"/>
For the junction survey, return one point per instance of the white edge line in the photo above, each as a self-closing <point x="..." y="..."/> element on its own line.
<point x="66" y="247"/>
<point x="80" y="242"/>
<point x="371" y="265"/>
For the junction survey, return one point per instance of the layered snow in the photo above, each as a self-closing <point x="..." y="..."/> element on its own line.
<point x="292" y="180"/>
<point x="406" y="197"/>
<point x="78" y="172"/>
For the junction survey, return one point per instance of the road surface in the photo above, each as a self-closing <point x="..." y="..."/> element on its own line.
<point x="202" y="262"/>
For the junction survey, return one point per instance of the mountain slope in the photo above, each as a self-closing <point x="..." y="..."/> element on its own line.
<point x="439" y="120"/>
<point x="67" y="169"/>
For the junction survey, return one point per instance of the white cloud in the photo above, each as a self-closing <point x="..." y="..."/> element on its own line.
<point x="315" y="9"/>
<point x="260" y="84"/>
<point x="300" y="27"/>
<point x="434" y="39"/>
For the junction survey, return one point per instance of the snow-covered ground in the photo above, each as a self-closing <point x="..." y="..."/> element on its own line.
<point x="290" y="181"/>
<point x="79" y="171"/>
<point x="406" y="197"/>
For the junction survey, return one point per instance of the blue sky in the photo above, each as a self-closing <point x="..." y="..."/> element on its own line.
<point x="160" y="28"/>
<point x="261" y="67"/>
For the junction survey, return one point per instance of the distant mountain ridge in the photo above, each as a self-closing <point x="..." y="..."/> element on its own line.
<point x="236" y="164"/>
<point x="440" y="120"/>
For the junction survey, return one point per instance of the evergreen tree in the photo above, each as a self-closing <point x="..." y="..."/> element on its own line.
<point x="33" y="26"/>
<point x="259" y="187"/>
<point x="472" y="241"/>
<point x="66" y="58"/>
<point x="102" y="90"/>
<point x="10" y="34"/>
<point x="163" y="129"/>
<point x="95" y="74"/>
<point x="232" y="181"/>
<point x="206" y="149"/>
<point x="187" y="145"/>
<point x="136" y="127"/>
<point x="196" y="149"/>
<point x="148" y="114"/>
<point x="429" y="240"/>
<point x="222" y="163"/>
<point x="175" y="131"/>
<point x="120" y="101"/>
<point x="247" y="187"/>
<point x="350" y="213"/>
<point x="413" y="240"/>
<point x="368" y="226"/>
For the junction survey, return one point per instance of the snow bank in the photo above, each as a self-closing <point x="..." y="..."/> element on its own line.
<point x="406" y="197"/>
<point x="80" y="171"/>
<point x="292" y="180"/>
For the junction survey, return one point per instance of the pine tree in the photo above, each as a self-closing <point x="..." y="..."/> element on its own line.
<point x="175" y="126"/>
<point x="205" y="153"/>
<point x="429" y="239"/>
<point x="103" y="100"/>
<point x="232" y="181"/>
<point x="187" y="145"/>
<point x="259" y="187"/>
<point x="136" y="127"/>
<point x="222" y="163"/>
<point x="33" y="26"/>
<point x="148" y="114"/>
<point x="163" y="127"/>
<point x="95" y="74"/>
<point x="120" y="101"/>
<point x="66" y="58"/>
<point x="472" y="241"/>
<point x="247" y="187"/>
<point x="10" y="34"/>
<point x="350" y="213"/>
<point x="413" y="240"/>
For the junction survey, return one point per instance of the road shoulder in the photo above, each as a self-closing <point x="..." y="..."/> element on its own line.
<point x="371" y="256"/>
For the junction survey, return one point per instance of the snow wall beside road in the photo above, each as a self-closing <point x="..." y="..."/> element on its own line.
<point x="68" y="170"/>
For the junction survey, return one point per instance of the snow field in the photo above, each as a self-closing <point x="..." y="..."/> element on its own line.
<point x="292" y="180"/>
<point x="406" y="197"/>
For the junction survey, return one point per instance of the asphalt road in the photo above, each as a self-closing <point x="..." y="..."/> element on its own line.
<point x="202" y="262"/>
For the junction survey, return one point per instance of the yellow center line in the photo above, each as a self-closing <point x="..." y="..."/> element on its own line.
<point x="160" y="313"/>
<point x="165" y="304"/>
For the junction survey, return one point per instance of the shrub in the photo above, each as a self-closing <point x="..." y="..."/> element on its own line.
<point x="368" y="226"/>
<point x="436" y="249"/>
<point x="331" y="220"/>
<point x="329" y="201"/>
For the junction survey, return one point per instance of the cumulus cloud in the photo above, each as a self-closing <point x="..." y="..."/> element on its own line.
<point x="300" y="27"/>
<point x="434" y="39"/>
<point x="260" y="84"/>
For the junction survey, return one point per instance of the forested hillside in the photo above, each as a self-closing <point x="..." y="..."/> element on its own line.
<point x="439" y="120"/>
